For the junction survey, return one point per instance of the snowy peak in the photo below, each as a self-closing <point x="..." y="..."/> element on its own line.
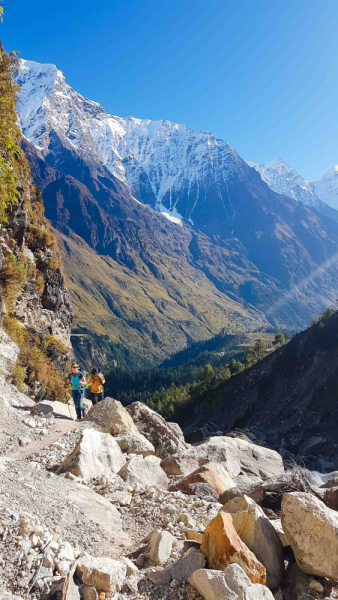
<point x="169" y="166"/>
<point x="284" y="180"/>
<point x="322" y="194"/>
<point x="327" y="187"/>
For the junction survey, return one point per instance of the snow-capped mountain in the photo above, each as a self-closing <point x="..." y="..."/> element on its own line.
<point x="169" y="166"/>
<point x="284" y="180"/>
<point x="321" y="195"/>
<point x="327" y="187"/>
<point x="255" y="252"/>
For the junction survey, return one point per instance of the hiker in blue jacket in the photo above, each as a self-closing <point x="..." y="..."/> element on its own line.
<point x="77" y="380"/>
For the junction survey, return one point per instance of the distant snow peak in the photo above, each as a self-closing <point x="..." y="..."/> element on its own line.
<point x="327" y="187"/>
<point x="281" y="178"/>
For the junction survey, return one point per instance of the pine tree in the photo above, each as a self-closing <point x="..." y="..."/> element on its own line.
<point x="259" y="348"/>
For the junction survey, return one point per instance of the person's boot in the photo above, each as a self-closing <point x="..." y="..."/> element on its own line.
<point x="83" y="412"/>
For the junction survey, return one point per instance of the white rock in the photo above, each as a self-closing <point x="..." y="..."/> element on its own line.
<point x="101" y="512"/>
<point x="160" y="546"/>
<point x="230" y="584"/>
<point x="140" y="470"/>
<point x="277" y="524"/>
<point x="95" y="454"/>
<point x="131" y="568"/>
<point x="234" y="454"/>
<point x="135" y="444"/>
<point x="63" y="567"/>
<point x="111" y="415"/>
<point x="48" y="561"/>
<point x="104" y="574"/>
<point x="66" y="552"/>
<point x="167" y="438"/>
<point x="24" y="441"/>
<point x="316" y="585"/>
<point x="56" y="408"/>
<point x="312" y="530"/>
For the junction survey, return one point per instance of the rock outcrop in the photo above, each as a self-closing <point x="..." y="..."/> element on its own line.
<point x="237" y="456"/>
<point x="166" y="438"/>
<point x="112" y="417"/>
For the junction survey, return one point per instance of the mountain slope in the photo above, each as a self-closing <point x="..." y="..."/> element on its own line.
<point x="103" y="176"/>
<point x="290" y="396"/>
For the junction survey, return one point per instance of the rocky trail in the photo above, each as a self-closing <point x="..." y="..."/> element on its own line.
<point x="119" y="506"/>
<point x="61" y="427"/>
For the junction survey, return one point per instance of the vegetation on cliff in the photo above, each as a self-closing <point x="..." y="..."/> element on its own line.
<point x="29" y="258"/>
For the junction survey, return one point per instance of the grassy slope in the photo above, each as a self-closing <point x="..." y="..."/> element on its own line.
<point x="154" y="316"/>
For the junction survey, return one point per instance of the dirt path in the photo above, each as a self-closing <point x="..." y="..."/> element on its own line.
<point x="62" y="426"/>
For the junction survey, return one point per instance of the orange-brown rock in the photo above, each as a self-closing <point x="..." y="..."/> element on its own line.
<point x="223" y="547"/>
<point x="219" y="481"/>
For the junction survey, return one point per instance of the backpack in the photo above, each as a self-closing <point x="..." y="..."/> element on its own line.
<point x="79" y="375"/>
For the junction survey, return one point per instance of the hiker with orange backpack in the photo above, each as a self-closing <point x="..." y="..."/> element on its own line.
<point x="95" y="383"/>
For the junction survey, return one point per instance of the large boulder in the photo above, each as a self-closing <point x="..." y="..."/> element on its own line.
<point x="222" y="546"/>
<point x="167" y="438"/>
<point x="231" y="584"/>
<point x="237" y="456"/>
<point x="257" y="532"/>
<point x="144" y="471"/>
<point x="312" y="530"/>
<point x="135" y="444"/>
<point x="112" y="417"/>
<point x="95" y="454"/>
<point x="59" y="409"/>
<point x="103" y="574"/>
<point x="212" y="474"/>
<point x="100" y="511"/>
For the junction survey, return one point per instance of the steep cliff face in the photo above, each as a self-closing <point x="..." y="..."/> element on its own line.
<point x="36" y="311"/>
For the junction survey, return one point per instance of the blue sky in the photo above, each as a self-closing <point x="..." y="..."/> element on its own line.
<point x="261" y="74"/>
